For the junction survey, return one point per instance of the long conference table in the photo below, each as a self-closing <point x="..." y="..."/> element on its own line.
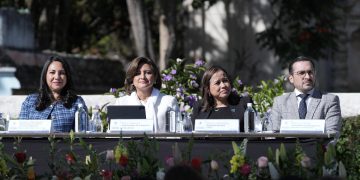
<point x="205" y="144"/>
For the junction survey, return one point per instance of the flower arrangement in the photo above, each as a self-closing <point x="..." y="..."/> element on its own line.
<point x="18" y="166"/>
<point x="296" y="163"/>
<point x="240" y="167"/>
<point x="183" y="81"/>
<point x="138" y="159"/>
<point x="126" y="159"/>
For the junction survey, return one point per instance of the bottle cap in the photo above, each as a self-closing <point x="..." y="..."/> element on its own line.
<point x="249" y="104"/>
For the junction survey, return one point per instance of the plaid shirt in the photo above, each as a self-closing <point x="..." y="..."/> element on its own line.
<point x="63" y="118"/>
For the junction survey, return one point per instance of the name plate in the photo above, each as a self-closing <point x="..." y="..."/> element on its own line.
<point x="302" y="126"/>
<point x="35" y="126"/>
<point x="131" y="125"/>
<point x="217" y="125"/>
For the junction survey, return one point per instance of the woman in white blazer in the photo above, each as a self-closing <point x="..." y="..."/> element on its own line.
<point x="142" y="86"/>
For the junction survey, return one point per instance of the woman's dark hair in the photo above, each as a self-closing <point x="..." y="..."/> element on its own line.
<point x="208" y="101"/>
<point x="45" y="98"/>
<point x="133" y="69"/>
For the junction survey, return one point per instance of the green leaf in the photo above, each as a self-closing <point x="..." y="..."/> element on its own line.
<point x="342" y="170"/>
<point x="235" y="147"/>
<point x="282" y="153"/>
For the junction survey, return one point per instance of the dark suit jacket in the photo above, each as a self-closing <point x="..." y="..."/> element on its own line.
<point x="238" y="112"/>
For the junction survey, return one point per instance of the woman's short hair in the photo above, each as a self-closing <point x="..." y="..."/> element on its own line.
<point x="134" y="67"/>
<point x="46" y="97"/>
<point x="208" y="101"/>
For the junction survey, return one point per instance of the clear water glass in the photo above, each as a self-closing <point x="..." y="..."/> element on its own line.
<point x="187" y="123"/>
<point x="265" y="123"/>
<point x="179" y="123"/>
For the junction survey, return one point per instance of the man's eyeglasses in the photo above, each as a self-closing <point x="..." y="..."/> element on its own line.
<point x="303" y="73"/>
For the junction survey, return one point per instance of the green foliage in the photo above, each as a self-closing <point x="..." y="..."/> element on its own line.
<point x="301" y="27"/>
<point x="348" y="146"/>
<point x="294" y="162"/>
<point x="263" y="95"/>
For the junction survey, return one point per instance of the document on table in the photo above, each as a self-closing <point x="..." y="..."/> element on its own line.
<point x="30" y="126"/>
<point x="131" y="125"/>
<point x="302" y="126"/>
<point x="217" y="125"/>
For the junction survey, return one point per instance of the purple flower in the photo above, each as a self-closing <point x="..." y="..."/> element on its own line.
<point x="268" y="110"/>
<point x="179" y="92"/>
<point x="234" y="91"/>
<point x="199" y="63"/>
<point x="191" y="100"/>
<point x="179" y="89"/>
<point x="245" y="94"/>
<point x="112" y="90"/>
<point x="168" y="77"/>
<point x="173" y="72"/>
<point x="240" y="82"/>
<point x="194" y="84"/>
<point x="192" y="76"/>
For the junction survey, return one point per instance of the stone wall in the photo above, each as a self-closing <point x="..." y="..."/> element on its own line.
<point x="16" y="29"/>
<point x="90" y="76"/>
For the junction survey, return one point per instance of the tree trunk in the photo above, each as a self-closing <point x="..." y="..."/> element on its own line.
<point x="167" y="38"/>
<point x="62" y="25"/>
<point x="140" y="28"/>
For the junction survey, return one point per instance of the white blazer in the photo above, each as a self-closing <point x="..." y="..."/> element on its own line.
<point x="156" y="106"/>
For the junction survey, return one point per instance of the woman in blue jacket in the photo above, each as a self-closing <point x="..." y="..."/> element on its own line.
<point x="56" y="99"/>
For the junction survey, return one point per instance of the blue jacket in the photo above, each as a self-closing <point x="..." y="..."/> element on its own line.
<point x="63" y="118"/>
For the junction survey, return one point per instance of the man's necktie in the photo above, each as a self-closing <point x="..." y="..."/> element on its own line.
<point x="302" y="106"/>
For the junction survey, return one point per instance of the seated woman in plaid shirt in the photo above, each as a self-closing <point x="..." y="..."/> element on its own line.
<point x="55" y="99"/>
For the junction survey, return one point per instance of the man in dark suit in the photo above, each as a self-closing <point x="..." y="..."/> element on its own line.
<point x="306" y="102"/>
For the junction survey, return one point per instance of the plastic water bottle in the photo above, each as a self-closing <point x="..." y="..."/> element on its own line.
<point x="2" y="122"/>
<point x="179" y="122"/>
<point x="96" y="122"/>
<point x="249" y="118"/>
<point x="81" y="119"/>
<point x="170" y="125"/>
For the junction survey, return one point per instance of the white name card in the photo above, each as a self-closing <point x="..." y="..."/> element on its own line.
<point x="302" y="126"/>
<point x="30" y="126"/>
<point x="131" y="125"/>
<point x="217" y="125"/>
